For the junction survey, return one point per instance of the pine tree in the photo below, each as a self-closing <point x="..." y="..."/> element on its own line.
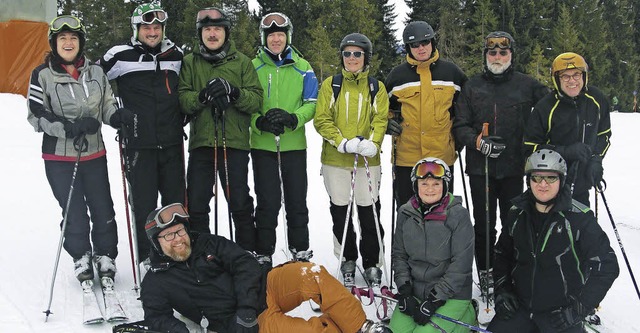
<point x="386" y="46"/>
<point x="539" y="66"/>
<point x="482" y="20"/>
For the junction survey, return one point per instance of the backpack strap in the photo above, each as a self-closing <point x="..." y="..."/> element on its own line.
<point x="336" y="86"/>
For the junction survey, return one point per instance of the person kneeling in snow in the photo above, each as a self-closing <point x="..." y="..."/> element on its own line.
<point x="198" y="275"/>
<point x="293" y="283"/>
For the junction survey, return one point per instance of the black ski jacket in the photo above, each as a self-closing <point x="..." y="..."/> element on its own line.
<point x="504" y="102"/>
<point x="218" y="278"/>
<point x="569" y="255"/>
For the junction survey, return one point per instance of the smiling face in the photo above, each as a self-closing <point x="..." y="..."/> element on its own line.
<point x="422" y="52"/>
<point x="68" y="45"/>
<point x="544" y="191"/>
<point x="150" y="34"/>
<point x="179" y="248"/>
<point x="351" y="63"/>
<point x="574" y="82"/>
<point x="276" y="42"/>
<point x="213" y="37"/>
<point x="430" y="190"/>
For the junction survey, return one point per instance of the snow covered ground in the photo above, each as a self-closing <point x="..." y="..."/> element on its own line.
<point x="31" y="228"/>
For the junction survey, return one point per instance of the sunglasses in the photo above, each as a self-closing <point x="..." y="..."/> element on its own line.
<point x="433" y="169"/>
<point x="68" y="21"/>
<point x="356" y="54"/>
<point x="159" y="16"/>
<point x="172" y="235"/>
<point x="567" y="77"/>
<point x="493" y="53"/>
<point x="278" y="19"/>
<point x="416" y="45"/>
<point x="499" y="42"/>
<point x="209" y="13"/>
<point x="549" y="179"/>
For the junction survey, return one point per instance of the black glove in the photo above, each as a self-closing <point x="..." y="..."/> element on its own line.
<point x="246" y="321"/>
<point x="575" y="152"/>
<point x="407" y="303"/>
<point x="423" y="314"/>
<point x="569" y="316"/>
<point x="219" y="87"/>
<point x="506" y="305"/>
<point x="204" y="97"/>
<point x="263" y="124"/>
<point x="595" y="170"/>
<point x="393" y="127"/>
<point x="220" y="104"/>
<point x="491" y="146"/>
<point x="84" y="125"/>
<point x="280" y="116"/>
<point x="122" y="117"/>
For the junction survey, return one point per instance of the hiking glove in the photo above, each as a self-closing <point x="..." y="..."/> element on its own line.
<point x="407" y="303"/>
<point x="367" y="148"/>
<point x="264" y="125"/>
<point x="491" y="146"/>
<point x="423" y="314"/>
<point x="280" y="116"/>
<point x="84" y="125"/>
<point x="595" y="170"/>
<point x="569" y="316"/>
<point x="122" y="118"/>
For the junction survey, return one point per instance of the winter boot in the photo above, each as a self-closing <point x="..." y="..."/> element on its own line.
<point x="304" y="256"/>
<point x="105" y="266"/>
<point x="264" y="260"/>
<point x="371" y="327"/>
<point x="348" y="269"/>
<point x="83" y="268"/>
<point x="486" y="282"/>
<point x="373" y="276"/>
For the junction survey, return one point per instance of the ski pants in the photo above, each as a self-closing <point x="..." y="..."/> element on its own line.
<point x="200" y="182"/>
<point x="91" y="189"/>
<point x="457" y="309"/>
<point x="403" y="186"/>
<point x="338" y="181"/>
<point x="525" y="322"/>
<point x="291" y="284"/>
<point x="268" y="197"/>
<point x="501" y="191"/>
<point x="152" y="171"/>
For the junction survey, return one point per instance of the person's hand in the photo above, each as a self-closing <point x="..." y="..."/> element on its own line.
<point x="280" y="116"/>
<point x="219" y="87"/>
<point x="122" y="118"/>
<point x="423" y="314"/>
<point x="595" y="170"/>
<point x="263" y="124"/>
<point x="393" y="127"/>
<point x="367" y="148"/>
<point x="491" y="146"/>
<point x="506" y="305"/>
<point x="407" y="303"/>
<point x="220" y="104"/>
<point x="575" y="152"/>
<point x="84" y="125"/>
<point x="204" y="97"/>
<point x="246" y="321"/>
<point x="569" y="316"/>
<point x="349" y="146"/>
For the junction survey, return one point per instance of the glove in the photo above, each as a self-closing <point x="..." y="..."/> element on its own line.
<point x="569" y="316"/>
<point x="263" y="124"/>
<point x="575" y="152"/>
<point x="393" y="127"/>
<point x="246" y="321"/>
<point x="122" y="117"/>
<point x="506" y="305"/>
<point x="367" y="148"/>
<point x="204" y="97"/>
<point x="491" y="146"/>
<point x="407" y="304"/>
<point x="220" y="104"/>
<point x="219" y="87"/>
<point x="283" y="117"/>
<point x="423" y="313"/>
<point x="349" y="146"/>
<point x="595" y="170"/>
<point x="84" y="125"/>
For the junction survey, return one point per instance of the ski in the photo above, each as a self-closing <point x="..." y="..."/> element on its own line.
<point x="90" y="309"/>
<point x="113" y="308"/>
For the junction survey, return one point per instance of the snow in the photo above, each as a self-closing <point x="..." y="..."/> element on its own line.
<point x="31" y="232"/>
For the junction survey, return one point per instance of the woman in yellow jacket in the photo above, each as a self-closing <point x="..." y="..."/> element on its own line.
<point x="353" y="123"/>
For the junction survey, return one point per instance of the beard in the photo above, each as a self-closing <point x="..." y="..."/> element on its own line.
<point x="498" y="68"/>
<point x="182" y="255"/>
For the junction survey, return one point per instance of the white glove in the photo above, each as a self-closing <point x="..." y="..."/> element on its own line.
<point x="349" y="146"/>
<point x="367" y="148"/>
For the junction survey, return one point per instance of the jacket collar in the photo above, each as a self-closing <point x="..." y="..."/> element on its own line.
<point x="420" y="64"/>
<point x="526" y="201"/>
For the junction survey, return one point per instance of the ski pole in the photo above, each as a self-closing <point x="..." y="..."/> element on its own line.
<point x="284" y="219"/>
<point x="393" y="196"/>
<point x="215" y="173"/>
<point x="226" y="175"/>
<point x="375" y="218"/>
<point x="82" y="144"/>
<point x="464" y="183"/>
<point x="624" y="254"/>
<point x="346" y="219"/>
<point x="485" y="132"/>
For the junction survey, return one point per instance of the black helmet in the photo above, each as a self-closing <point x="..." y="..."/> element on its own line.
<point x="546" y="160"/>
<point x="163" y="218"/>
<point x="361" y="41"/>
<point x="212" y="16"/>
<point x="502" y="40"/>
<point x="417" y="31"/>
<point x="66" y="23"/>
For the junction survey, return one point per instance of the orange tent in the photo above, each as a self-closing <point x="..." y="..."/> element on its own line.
<point x="23" y="45"/>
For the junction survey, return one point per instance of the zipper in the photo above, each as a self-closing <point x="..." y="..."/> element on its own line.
<point x="535" y="245"/>
<point x="166" y="80"/>
<point x="269" y="87"/>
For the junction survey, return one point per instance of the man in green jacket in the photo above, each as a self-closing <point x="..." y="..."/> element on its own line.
<point x="278" y="141"/>
<point x="220" y="90"/>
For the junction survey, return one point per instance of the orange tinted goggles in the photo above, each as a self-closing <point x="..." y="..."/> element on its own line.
<point x="429" y="168"/>
<point x="499" y="42"/>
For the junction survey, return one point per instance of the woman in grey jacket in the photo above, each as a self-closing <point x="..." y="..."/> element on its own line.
<point x="432" y="255"/>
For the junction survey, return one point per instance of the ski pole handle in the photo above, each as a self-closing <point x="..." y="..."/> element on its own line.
<point x="485" y="129"/>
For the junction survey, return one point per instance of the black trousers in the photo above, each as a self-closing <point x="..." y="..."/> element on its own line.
<point x="403" y="186"/>
<point x="501" y="191"/>
<point x="91" y="189"/>
<point x="152" y="171"/>
<point x="200" y="181"/>
<point x="369" y="245"/>
<point x="523" y="322"/>
<point x="268" y="197"/>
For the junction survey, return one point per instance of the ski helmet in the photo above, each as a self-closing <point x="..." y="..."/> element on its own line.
<point x="163" y="218"/>
<point x="431" y="167"/>
<point x="148" y="13"/>
<point x="66" y="23"/>
<point x="501" y="40"/>
<point x="546" y="160"/>
<point x="361" y="41"/>
<point x="212" y="16"/>
<point x="418" y="31"/>
<point x="273" y="22"/>
<point x="568" y="60"/>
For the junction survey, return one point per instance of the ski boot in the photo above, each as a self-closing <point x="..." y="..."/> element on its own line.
<point x="303" y="256"/>
<point x="348" y="269"/>
<point x="105" y="266"/>
<point x="371" y="327"/>
<point x="486" y="283"/>
<point x="83" y="268"/>
<point x="373" y="276"/>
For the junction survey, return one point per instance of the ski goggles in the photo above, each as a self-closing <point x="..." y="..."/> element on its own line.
<point x="356" y="54"/>
<point x="159" y="16"/>
<point x="549" y="179"/>
<point x="280" y="21"/>
<point x="168" y="214"/>
<point x="416" y="45"/>
<point x="66" y="22"/>
<point x="499" y="42"/>
<point x="433" y="169"/>
<point x="212" y="14"/>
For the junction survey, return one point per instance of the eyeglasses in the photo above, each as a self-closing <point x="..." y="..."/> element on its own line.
<point x="70" y="22"/>
<point x="280" y="20"/>
<point x="500" y="42"/>
<point x="425" y="169"/>
<point x="566" y="77"/>
<point x="493" y="53"/>
<point x="549" y="179"/>
<point x="416" y="45"/>
<point x="209" y="13"/>
<point x="159" y="16"/>
<point x="356" y="54"/>
<point x="172" y="235"/>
